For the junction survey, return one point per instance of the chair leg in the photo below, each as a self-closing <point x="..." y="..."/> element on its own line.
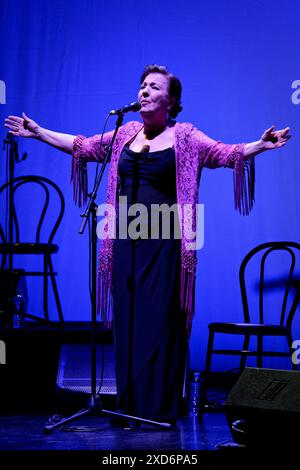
<point x="259" y="350"/>
<point x="244" y="356"/>
<point x="3" y="262"/>
<point x="55" y="290"/>
<point x="45" y="290"/>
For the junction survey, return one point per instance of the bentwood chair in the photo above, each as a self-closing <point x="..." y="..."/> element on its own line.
<point x="286" y="287"/>
<point x="34" y="195"/>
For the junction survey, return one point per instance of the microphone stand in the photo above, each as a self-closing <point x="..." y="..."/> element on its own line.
<point x="94" y="405"/>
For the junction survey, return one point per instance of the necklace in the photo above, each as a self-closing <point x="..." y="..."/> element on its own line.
<point x="145" y="148"/>
<point x="150" y="135"/>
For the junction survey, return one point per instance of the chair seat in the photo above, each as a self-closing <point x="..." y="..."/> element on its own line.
<point x="251" y="328"/>
<point x="28" y="248"/>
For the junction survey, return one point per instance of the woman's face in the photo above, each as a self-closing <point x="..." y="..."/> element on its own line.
<point x="154" y="95"/>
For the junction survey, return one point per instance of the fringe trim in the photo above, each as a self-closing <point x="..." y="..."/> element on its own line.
<point x="244" y="184"/>
<point x="187" y="296"/>
<point x="79" y="180"/>
<point x="79" y="172"/>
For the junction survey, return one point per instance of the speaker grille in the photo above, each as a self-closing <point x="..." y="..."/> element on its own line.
<point x="263" y="408"/>
<point x="270" y="389"/>
<point x="74" y="369"/>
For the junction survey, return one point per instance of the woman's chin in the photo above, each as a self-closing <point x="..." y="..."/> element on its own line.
<point x="144" y="112"/>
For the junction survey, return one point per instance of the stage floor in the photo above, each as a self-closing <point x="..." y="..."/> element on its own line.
<point x="92" y="440"/>
<point x="25" y="432"/>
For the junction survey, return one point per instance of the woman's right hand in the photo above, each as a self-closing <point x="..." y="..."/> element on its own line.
<point x="22" y="126"/>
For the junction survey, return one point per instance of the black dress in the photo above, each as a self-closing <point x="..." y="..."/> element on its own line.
<point x="149" y="328"/>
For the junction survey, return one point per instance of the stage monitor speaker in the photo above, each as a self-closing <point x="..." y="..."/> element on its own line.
<point x="74" y="369"/>
<point x="263" y="408"/>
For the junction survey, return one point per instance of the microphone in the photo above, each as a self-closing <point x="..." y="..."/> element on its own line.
<point x="134" y="106"/>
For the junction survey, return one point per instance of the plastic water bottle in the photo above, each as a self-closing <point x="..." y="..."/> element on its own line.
<point x="18" y="314"/>
<point x="195" y="388"/>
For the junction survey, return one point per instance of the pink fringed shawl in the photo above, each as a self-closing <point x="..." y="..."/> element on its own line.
<point x="194" y="150"/>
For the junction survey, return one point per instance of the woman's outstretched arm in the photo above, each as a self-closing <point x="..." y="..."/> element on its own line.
<point x="214" y="154"/>
<point x="26" y="127"/>
<point x="270" y="140"/>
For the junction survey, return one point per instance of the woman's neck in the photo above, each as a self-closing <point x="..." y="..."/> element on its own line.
<point x="153" y="129"/>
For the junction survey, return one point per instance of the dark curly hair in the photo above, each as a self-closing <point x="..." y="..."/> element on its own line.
<point x="175" y="87"/>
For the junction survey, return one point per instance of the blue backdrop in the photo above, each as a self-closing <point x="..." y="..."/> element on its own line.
<point x="67" y="63"/>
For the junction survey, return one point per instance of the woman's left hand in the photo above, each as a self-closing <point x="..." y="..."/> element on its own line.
<point x="272" y="139"/>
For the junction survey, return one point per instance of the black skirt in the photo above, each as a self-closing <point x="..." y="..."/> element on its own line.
<point x="149" y="328"/>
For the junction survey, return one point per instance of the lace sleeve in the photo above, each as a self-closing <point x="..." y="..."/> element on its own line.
<point x="215" y="154"/>
<point x="86" y="149"/>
